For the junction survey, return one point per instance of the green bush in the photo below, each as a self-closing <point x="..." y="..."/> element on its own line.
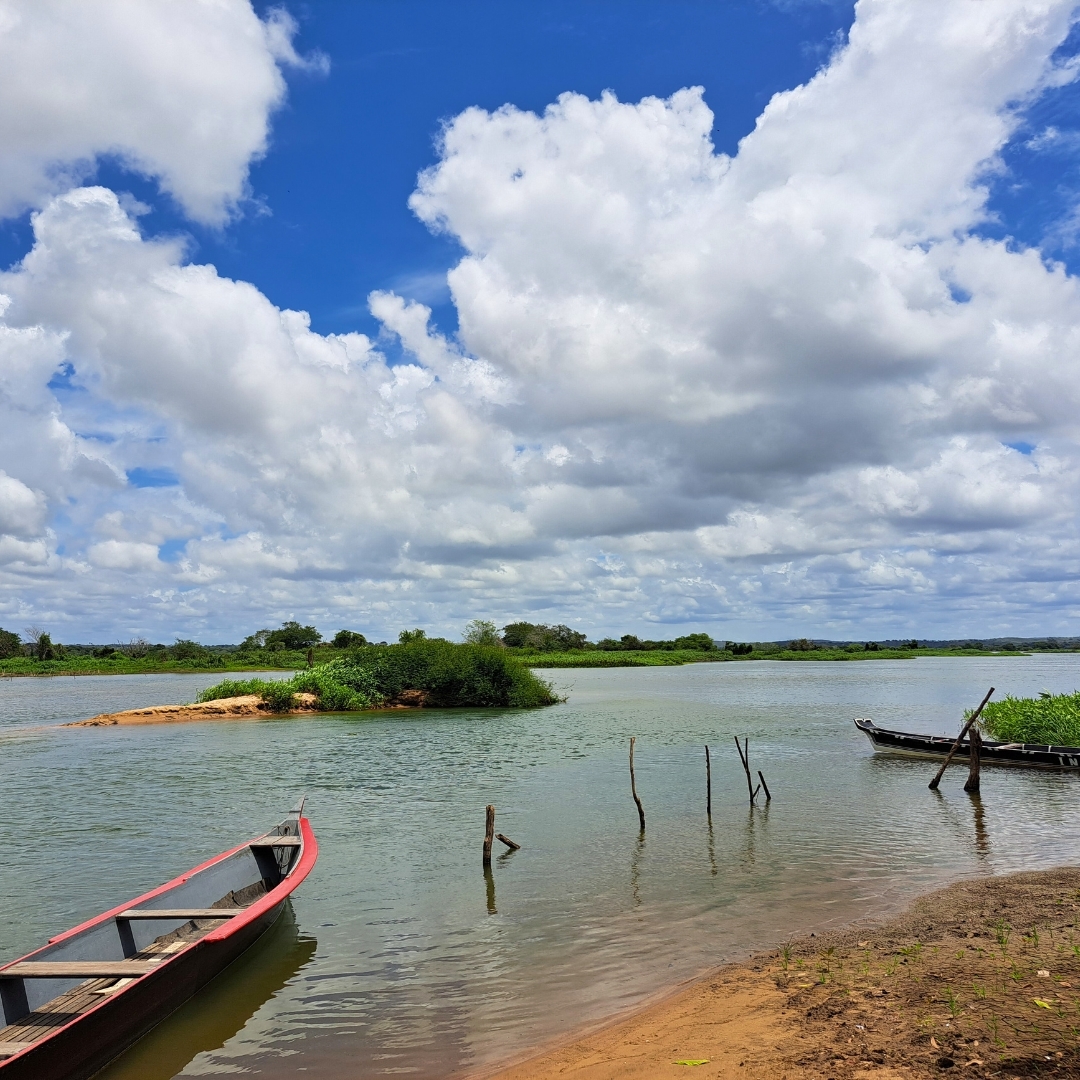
<point x="1052" y="719"/>
<point x="449" y="674"/>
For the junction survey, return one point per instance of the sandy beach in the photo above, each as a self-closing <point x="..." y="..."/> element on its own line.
<point x="982" y="977"/>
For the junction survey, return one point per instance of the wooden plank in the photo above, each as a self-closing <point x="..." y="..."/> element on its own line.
<point x="180" y="913"/>
<point x="276" y="841"/>
<point x="78" y="969"/>
<point x="9" y="1048"/>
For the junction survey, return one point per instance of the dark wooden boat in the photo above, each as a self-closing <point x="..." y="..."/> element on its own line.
<point x="1025" y="755"/>
<point x="72" y="1006"/>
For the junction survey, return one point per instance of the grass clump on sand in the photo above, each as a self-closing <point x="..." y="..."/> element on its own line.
<point x="446" y="674"/>
<point x="1052" y="719"/>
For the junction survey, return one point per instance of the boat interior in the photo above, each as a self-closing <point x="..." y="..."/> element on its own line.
<point x="52" y="986"/>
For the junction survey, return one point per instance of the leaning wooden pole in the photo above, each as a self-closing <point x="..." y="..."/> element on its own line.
<point x="768" y="797"/>
<point x="972" y="783"/>
<point x="633" y="785"/>
<point x="489" y="836"/>
<point x="959" y="739"/>
<point x="745" y="759"/>
<point x="708" y="784"/>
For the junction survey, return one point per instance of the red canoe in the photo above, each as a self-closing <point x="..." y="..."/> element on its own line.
<point x="72" y="1006"/>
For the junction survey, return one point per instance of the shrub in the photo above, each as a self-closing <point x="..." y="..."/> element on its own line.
<point x="348" y="639"/>
<point x="450" y="675"/>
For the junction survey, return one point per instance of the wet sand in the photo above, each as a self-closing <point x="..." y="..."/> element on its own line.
<point x="980" y="979"/>
<point x="245" y="707"/>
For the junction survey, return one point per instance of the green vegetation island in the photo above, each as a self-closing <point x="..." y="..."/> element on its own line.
<point x="292" y="647"/>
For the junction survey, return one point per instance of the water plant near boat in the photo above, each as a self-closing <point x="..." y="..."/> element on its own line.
<point x="435" y="673"/>
<point x="1050" y="719"/>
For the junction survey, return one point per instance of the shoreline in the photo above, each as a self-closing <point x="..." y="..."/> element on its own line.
<point x="982" y="976"/>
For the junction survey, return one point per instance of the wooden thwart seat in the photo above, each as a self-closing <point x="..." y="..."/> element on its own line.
<point x="78" y="969"/>
<point x="276" y="841"/>
<point x="179" y="913"/>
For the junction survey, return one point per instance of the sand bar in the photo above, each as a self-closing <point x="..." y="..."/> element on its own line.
<point x="245" y="707"/>
<point x="977" y="980"/>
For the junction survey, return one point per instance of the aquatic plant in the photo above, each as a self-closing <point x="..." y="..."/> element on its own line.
<point x="1051" y="719"/>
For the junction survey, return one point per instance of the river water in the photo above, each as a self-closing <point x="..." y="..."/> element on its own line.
<point x="397" y="956"/>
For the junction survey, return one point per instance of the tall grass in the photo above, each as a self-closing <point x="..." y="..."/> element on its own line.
<point x="1052" y="719"/>
<point x="449" y="675"/>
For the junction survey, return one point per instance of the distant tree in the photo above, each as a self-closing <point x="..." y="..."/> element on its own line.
<point x="410" y="637"/>
<point x="254" y="641"/>
<point x="291" y="635"/>
<point x="543" y="638"/>
<point x="481" y="632"/>
<point x="10" y="645"/>
<point x="515" y="635"/>
<point x="871" y="646"/>
<point x="701" y="642"/>
<point x="136" y="648"/>
<point x="348" y="639"/>
<point x="912" y="644"/>
<point x="802" y="645"/>
<point x="739" y="648"/>
<point x="630" y="641"/>
<point x="186" y="649"/>
<point x="41" y="644"/>
<point x="103" y="652"/>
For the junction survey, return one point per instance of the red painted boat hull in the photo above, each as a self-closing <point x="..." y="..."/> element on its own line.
<point x="92" y="1039"/>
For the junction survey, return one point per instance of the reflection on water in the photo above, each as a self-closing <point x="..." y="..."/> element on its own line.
<point x="420" y="968"/>
<point x="210" y="1019"/>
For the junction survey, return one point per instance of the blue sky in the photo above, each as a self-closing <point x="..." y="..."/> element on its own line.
<point x="330" y="220"/>
<point x="794" y="357"/>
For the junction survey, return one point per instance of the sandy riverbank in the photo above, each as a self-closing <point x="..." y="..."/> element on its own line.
<point x="979" y="979"/>
<point x="245" y="707"/>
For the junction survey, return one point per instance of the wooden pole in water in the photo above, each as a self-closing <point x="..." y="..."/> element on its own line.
<point x="959" y="738"/>
<point x="508" y="842"/>
<point x="768" y="797"/>
<point x="633" y="785"/>
<point x="745" y="759"/>
<point x="708" y="784"/>
<point x="489" y="835"/>
<point x="973" y="770"/>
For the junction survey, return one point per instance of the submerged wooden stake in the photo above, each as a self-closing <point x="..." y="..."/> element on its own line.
<point x="508" y="842"/>
<point x="708" y="784"/>
<point x="973" y="770"/>
<point x="633" y="785"/>
<point x="959" y="739"/>
<point x="489" y="835"/>
<point x="768" y="797"/>
<point x="745" y="759"/>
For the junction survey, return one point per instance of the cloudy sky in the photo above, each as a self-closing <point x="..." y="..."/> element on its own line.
<point x="752" y="318"/>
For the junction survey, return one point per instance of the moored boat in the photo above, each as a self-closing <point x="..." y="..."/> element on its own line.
<point x="73" y="1005"/>
<point x="1025" y="755"/>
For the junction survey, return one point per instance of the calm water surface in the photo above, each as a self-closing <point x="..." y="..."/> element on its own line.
<point x="397" y="956"/>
